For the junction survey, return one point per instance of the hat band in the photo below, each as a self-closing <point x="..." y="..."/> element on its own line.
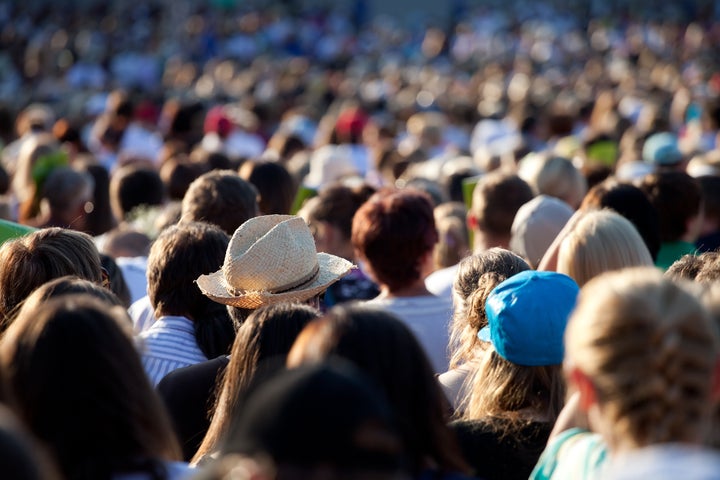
<point x="282" y="288"/>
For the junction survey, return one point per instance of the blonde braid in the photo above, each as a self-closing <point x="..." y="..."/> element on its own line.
<point x="649" y="348"/>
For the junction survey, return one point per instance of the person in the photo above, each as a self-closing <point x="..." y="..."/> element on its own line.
<point x="190" y="328"/>
<point x="476" y="277"/>
<point x="65" y="200"/>
<point x="276" y="187"/>
<point x="81" y="390"/>
<point x="384" y="348"/>
<point x="253" y="275"/>
<point x="30" y="261"/>
<point x="554" y="176"/>
<point x="517" y="390"/>
<point x="329" y="216"/>
<point x="496" y="199"/>
<point x="318" y="421"/>
<point x="598" y="242"/>
<point x="21" y="458"/>
<point x="266" y="335"/>
<point x="132" y="187"/>
<point x="641" y="355"/>
<point x="677" y="197"/>
<point x="394" y="235"/>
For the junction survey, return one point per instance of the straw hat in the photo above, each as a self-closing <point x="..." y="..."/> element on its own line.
<point x="272" y="259"/>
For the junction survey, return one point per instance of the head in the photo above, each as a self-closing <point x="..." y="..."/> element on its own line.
<point x="373" y="340"/>
<point x="81" y="387"/>
<point x="71" y="285"/>
<point x="630" y="202"/>
<point x="677" y="197"/>
<point x="67" y="198"/>
<point x="37" y="158"/>
<point x="394" y="233"/>
<point x="453" y="240"/>
<point x="536" y="225"/>
<point x="133" y="186"/>
<point x="330" y="216"/>
<point x="100" y="219"/>
<point x="496" y="199"/>
<point x="638" y="325"/>
<point x="222" y="198"/>
<point x="267" y="334"/>
<point x="554" y="176"/>
<point x="39" y="257"/>
<point x="177" y="173"/>
<point x="601" y="241"/>
<point x="477" y="275"/>
<point x="520" y="375"/>
<point x="273" y="182"/>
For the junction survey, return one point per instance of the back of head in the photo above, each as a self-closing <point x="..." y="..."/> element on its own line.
<point x="177" y="173"/>
<point x="677" y="197"/>
<point x="67" y="191"/>
<point x="133" y="186"/>
<point x="337" y="205"/>
<point x="636" y="325"/>
<point x="326" y="417"/>
<point x="273" y="182"/>
<point x="393" y="232"/>
<point x="554" y="176"/>
<point x="477" y="275"/>
<point x="633" y="204"/>
<point x="495" y="201"/>
<point x="221" y="198"/>
<point x="601" y="241"/>
<point x="385" y="349"/>
<point x="81" y="387"/>
<point x="536" y="225"/>
<point x="30" y="261"/>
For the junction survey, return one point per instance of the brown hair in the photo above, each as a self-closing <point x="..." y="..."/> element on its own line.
<point x="496" y="199"/>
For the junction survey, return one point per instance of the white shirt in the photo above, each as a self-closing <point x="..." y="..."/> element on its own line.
<point x="428" y="318"/>
<point x="168" y="345"/>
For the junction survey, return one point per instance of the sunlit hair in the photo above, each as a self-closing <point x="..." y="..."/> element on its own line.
<point x="554" y="176"/>
<point x="268" y="332"/>
<point x="650" y="349"/>
<point x="601" y="241"/>
<point x="476" y="277"/>
<point x="81" y="388"/>
<point x="34" y="259"/>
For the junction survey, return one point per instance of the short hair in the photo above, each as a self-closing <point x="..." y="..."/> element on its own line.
<point x="677" y="197"/>
<point x="337" y="205"/>
<point x="371" y="339"/>
<point x="476" y="276"/>
<point x="65" y="189"/>
<point x="602" y="240"/>
<point x="688" y="266"/>
<point x="554" y="176"/>
<point x="453" y="239"/>
<point x="650" y="350"/>
<point x="392" y="232"/>
<point x="630" y="202"/>
<point x="274" y="183"/>
<point x="132" y="186"/>
<point x="81" y="388"/>
<point x="496" y="199"/>
<point x="177" y="173"/>
<point x="222" y="198"/>
<point x="32" y="260"/>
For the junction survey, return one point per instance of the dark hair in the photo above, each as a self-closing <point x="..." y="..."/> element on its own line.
<point x="710" y="185"/>
<point x="393" y="231"/>
<point x="496" y="199"/>
<point x="222" y="198"/>
<point x="178" y="257"/>
<point x="633" y="204"/>
<point x="34" y="259"/>
<point x="117" y="284"/>
<point x="275" y="186"/>
<point x="688" y="266"/>
<point x="70" y="285"/>
<point x="337" y="205"/>
<point x="677" y="198"/>
<point x="82" y="390"/>
<point x="133" y="186"/>
<point x="100" y="220"/>
<point x="177" y="174"/>
<point x="21" y="457"/>
<point x="268" y="332"/>
<point x="383" y="347"/>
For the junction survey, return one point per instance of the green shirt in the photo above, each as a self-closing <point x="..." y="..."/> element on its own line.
<point x="671" y="251"/>
<point x="575" y="454"/>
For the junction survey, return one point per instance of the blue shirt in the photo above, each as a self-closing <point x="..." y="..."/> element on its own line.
<point x="168" y="345"/>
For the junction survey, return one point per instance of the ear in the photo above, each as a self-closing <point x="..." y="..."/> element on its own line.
<point x="472" y="221"/>
<point x="584" y="387"/>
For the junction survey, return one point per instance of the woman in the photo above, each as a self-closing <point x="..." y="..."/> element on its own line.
<point x="81" y="390"/>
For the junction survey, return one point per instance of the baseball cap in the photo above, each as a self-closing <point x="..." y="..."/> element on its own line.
<point x="661" y="149"/>
<point x="527" y="315"/>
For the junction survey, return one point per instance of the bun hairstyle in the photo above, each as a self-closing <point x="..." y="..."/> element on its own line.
<point x="476" y="277"/>
<point x="636" y="325"/>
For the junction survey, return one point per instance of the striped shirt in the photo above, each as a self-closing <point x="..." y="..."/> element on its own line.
<point x="168" y="345"/>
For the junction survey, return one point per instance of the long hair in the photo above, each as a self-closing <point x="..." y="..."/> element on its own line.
<point x="81" y="388"/>
<point x="268" y="332"/>
<point x="381" y="345"/>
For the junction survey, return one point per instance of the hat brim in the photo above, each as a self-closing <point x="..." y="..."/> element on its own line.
<point x="332" y="269"/>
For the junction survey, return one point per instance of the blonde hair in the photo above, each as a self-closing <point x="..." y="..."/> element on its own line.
<point x="554" y="176"/>
<point x="476" y="277"/>
<point x="649" y="348"/>
<point x="453" y="241"/>
<point x="601" y="241"/>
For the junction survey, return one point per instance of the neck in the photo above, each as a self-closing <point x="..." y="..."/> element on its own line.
<point x="483" y="241"/>
<point x="416" y="289"/>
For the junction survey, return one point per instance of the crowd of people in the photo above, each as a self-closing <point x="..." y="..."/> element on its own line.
<point x="302" y="242"/>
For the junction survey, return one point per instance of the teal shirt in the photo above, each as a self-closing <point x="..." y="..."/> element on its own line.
<point x="671" y="251"/>
<point x="575" y="454"/>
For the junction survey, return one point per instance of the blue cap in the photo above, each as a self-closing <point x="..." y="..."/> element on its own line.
<point x="661" y="149"/>
<point x="527" y="315"/>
